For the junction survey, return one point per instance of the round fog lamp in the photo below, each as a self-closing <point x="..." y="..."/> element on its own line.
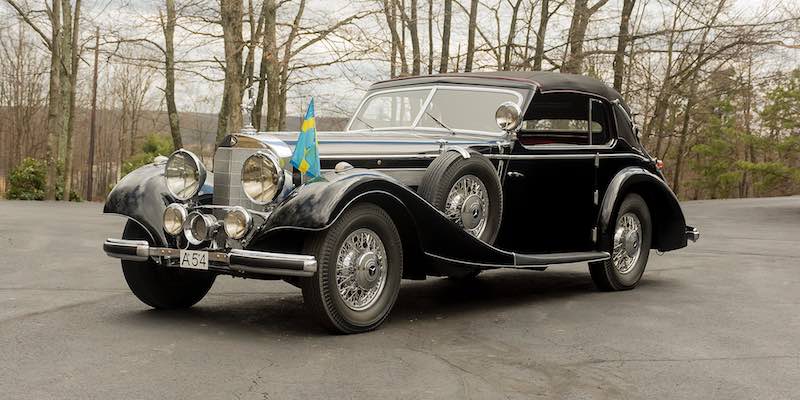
<point x="199" y="228"/>
<point x="237" y="222"/>
<point x="174" y="217"/>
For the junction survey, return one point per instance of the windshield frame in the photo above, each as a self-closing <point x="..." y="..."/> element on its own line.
<point x="432" y="92"/>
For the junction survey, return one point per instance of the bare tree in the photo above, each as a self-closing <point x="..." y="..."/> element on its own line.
<point x="410" y="22"/>
<point x="448" y="16"/>
<point x="72" y="52"/>
<point x="622" y="43"/>
<point x="581" y="16"/>
<point x="168" y="28"/>
<point x="230" y="118"/>
<point x="471" y="27"/>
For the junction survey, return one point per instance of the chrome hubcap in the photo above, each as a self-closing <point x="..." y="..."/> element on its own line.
<point x="627" y="243"/>
<point x="361" y="269"/>
<point x="467" y="204"/>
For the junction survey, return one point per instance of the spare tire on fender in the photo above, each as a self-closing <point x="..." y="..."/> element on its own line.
<point x="467" y="190"/>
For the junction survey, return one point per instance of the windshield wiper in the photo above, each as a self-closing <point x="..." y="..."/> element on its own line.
<point x="442" y="124"/>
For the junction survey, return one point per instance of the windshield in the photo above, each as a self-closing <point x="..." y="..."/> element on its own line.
<point x="391" y="110"/>
<point x="450" y="109"/>
<point x="467" y="110"/>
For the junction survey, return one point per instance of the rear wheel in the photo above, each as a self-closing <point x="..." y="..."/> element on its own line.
<point x="162" y="287"/>
<point x="630" y="239"/>
<point x="359" y="268"/>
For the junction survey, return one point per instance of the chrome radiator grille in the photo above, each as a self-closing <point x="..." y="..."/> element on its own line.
<point x="228" y="177"/>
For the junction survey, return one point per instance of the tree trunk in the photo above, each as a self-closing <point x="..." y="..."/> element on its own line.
<point x="473" y="15"/>
<point x="268" y="69"/>
<point x="73" y="80"/>
<point x="54" y="105"/>
<point x="448" y="16"/>
<point x="230" y="115"/>
<point x="169" y="75"/>
<point x="676" y="178"/>
<point x="411" y="23"/>
<point x="511" y="34"/>
<point x="538" y="56"/>
<point x="430" y="37"/>
<point x="577" y="34"/>
<point x="389" y="10"/>
<point x="622" y="43"/>
<point x="93" y="123"/>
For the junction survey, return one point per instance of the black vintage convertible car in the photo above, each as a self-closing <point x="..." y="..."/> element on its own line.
<point x="443" y="175"/>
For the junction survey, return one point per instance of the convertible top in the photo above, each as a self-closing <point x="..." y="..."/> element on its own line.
<point x="543" y="81"/>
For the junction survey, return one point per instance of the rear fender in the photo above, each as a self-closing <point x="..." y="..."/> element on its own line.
<point x="142" y="196"/>
<point x="669" y="223"/>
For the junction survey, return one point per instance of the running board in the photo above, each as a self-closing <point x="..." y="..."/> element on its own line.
<point x="525" y="260"/>
<point x="533" y="261"/>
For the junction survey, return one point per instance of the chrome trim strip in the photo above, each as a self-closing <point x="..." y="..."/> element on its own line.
<point x="562" y="156"/>
<point x="378" y="157"/>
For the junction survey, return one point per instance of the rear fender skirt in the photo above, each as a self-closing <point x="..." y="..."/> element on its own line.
<point x="669" y="223"/>
<point x="318" y="204"/>
<point x="142" y="196"/>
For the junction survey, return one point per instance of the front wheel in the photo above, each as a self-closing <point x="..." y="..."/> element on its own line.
<point x="359" y="268"/>
<point x="162" y="287"/>
<point x="630" y="247"/>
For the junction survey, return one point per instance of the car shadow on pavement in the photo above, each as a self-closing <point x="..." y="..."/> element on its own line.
<point x="259" y="314"/>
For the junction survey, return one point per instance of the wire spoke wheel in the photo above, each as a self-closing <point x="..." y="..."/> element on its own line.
<point x="361" y="269"/>
<point x="627" y="243"/>
<point x="467" y="204"/>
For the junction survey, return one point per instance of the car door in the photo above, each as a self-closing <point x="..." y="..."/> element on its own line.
<point x="550" y="185"/>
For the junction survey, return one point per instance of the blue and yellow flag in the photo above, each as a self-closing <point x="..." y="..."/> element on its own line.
<point x="306" y="151"/>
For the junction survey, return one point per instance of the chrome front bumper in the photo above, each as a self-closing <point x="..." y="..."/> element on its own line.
<point x="692" y="233"/>
<point x="241" y="261"/>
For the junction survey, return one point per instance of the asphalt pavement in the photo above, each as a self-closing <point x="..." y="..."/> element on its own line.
<point x="719" y="319"/>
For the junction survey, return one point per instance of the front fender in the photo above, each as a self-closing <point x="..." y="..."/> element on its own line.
<point x="142" y="196"/>
<point x="316" y="205"/>
<point x="669" y="223"/>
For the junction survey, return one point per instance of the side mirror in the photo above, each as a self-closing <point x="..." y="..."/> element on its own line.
<point x="508" y="116"/>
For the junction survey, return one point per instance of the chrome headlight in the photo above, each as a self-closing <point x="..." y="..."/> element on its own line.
<point x="200" y="228"/>
<point x="237" y="222"/>
<point x="174" y="217"/>
<point x="508" y="116"/>
<point x="262" y="178"/>
<point x="185" y="174"/>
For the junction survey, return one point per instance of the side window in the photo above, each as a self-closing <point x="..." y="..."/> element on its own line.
<point x="566" y="118"/>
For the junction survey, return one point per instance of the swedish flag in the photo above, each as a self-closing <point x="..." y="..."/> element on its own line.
<point x="306" y="151"/>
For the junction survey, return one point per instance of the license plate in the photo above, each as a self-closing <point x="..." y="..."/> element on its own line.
<point x="193" y="259"/>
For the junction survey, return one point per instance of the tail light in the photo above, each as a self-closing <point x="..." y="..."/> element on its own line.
<point x="659" y="164"/>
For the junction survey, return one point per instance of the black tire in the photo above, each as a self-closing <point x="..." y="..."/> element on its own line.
<point x="447" y="169"/>
<point x="162" y="287"/>
<point x="320" y="292"/>
<point x="605" y="274"/>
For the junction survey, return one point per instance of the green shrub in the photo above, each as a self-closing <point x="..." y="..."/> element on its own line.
<point x="28" y="181"/>
<point x="154" y="145"/>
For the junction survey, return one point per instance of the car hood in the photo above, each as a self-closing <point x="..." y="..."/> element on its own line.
<point x="379" y="143"/>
